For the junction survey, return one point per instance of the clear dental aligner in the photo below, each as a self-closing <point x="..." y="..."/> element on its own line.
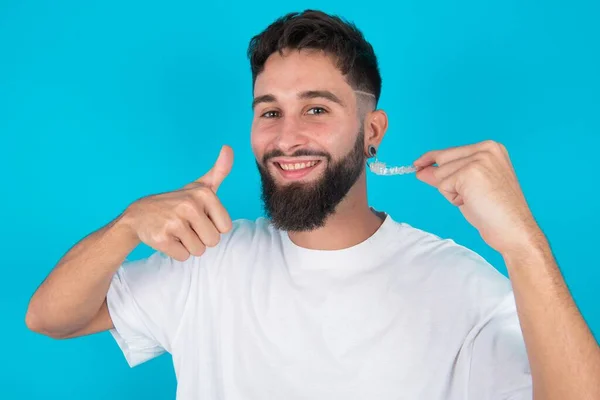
<point x="379" y="168"/>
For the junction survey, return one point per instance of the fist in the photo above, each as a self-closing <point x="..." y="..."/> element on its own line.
<point x="186" y="221"/>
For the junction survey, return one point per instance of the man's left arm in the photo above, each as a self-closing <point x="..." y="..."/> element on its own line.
<point x="563" y="355"/>
<point x="562" y="352"/>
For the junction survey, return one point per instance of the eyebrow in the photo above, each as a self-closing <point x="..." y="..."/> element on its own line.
<point x="310" y="94"/>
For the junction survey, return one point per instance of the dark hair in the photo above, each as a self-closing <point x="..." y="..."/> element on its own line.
<point x="316" y="30"/>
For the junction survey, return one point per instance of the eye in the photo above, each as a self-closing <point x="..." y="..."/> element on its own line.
<point x="317" y="111"/>
<point x="270" y="114"/>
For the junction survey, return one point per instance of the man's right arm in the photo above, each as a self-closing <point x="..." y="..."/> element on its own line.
<point x="71" y="301"/>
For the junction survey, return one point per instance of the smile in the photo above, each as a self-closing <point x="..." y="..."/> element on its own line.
<point x="291" y="171"/>
<point x="297" y="166"/>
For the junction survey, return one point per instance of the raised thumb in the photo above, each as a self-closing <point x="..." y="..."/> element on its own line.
<point x="215" y="176"/>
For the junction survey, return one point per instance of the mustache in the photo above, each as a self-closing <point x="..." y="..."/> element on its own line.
<point x="298" y="153"/>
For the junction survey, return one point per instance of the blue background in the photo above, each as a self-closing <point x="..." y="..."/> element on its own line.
<point x="104" y="102"/>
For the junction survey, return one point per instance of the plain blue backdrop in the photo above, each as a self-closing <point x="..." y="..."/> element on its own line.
<point x="104" y="102"/>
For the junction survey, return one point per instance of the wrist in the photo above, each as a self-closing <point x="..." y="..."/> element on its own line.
<point x="122" y="227"/>
<point x="533" y="246"/>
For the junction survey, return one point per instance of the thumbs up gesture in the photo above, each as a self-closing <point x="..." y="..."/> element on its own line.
<point x="186" y="221"/>
<point x="215" y="176"/>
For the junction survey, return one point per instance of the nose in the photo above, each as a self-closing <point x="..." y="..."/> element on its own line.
<point x="292" y="135"/>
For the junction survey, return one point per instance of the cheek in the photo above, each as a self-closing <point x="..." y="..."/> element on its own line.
<point x="324" y="134"/>
<point x="259" y="140"/>
<point x="336" y="138"/>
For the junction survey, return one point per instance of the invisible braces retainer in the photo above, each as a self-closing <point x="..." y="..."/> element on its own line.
<point x="379" y="168"/>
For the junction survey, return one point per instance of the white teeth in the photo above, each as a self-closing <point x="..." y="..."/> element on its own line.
<point x="292" y="167"/>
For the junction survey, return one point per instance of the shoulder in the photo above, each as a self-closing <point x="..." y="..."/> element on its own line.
<point x="244" y="239"/>
<point x="247" y="229"/>
<point x="451" y="270"/>
<point x="432" y="251"/>
<point x="245" y="235"/>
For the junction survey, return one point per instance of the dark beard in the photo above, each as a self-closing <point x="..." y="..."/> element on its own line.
<point x="305" y="206"/>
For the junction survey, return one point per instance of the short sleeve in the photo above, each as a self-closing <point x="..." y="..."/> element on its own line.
<point x="146" y="300"/>
<point x="499" y="367"/>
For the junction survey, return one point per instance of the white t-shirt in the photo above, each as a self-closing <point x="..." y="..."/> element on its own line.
<point x="402" y="315"/>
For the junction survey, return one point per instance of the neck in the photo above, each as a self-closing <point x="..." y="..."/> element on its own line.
<point x="352" y="223"/>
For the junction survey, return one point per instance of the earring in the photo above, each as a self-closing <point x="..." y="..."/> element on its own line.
<point x="372" y="151"/>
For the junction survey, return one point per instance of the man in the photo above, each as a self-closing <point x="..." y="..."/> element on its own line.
<point x="328" y="298"/>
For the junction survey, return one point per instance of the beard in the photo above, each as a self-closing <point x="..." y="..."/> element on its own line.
<point x="305" y="206"/>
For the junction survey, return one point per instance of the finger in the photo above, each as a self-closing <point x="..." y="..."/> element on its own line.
<point x="190" y="240"/>
<point x="217" y="213"/>
<point x="206" y="230"/>
<point x="222" y="167"/>
<point x="427" y="175"/>
<point x="175" y="249"/>
<point x="440" y="157"/>
<point x="449" y="187"/>
<point x="434" y="175"/>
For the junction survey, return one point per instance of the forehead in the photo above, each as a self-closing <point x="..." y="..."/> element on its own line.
<point x="297" y="71"/>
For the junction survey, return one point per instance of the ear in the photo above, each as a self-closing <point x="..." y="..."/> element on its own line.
<point x="375" y="126"/>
